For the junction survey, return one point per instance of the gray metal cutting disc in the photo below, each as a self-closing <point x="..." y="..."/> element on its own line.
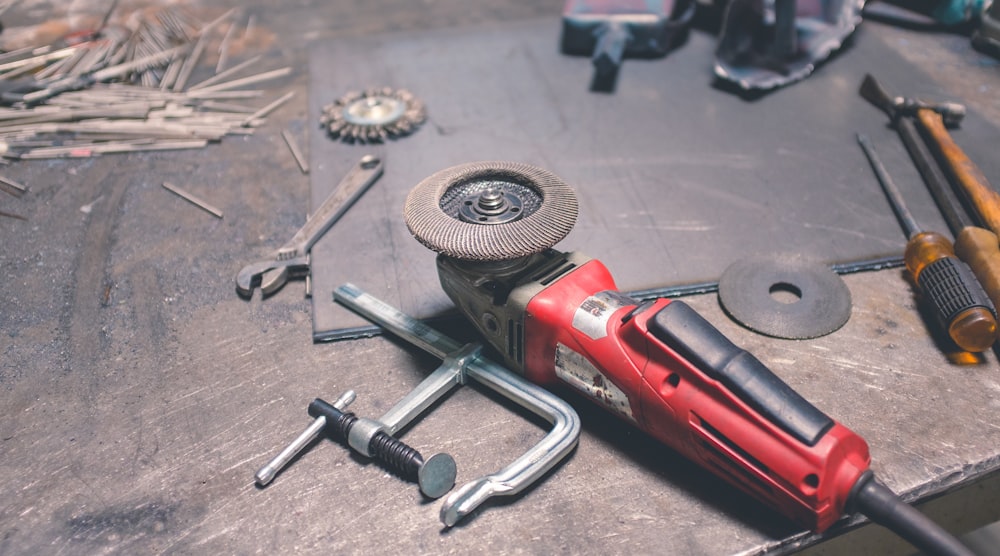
<point x="785" y="296"/>
<point x="490" y="211"/>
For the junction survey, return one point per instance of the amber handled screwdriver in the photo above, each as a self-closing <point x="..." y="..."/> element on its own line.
<point x="956" y="298"/>
<point x="977" y="247"/>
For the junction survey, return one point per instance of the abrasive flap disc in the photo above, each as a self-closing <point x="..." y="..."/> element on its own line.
<point x="490" y="211"/>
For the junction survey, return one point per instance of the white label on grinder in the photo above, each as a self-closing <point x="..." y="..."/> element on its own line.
<point x="593" y="314"/>
<point x="577" y="371"/>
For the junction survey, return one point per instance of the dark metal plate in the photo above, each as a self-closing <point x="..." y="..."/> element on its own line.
<point x="675" y="179"/>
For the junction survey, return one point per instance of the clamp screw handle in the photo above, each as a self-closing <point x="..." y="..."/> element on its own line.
<point x="267" y="473"/>
<point x="435" y="476"/>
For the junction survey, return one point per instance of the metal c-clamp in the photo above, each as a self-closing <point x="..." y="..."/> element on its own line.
<point x="460" y="363"/>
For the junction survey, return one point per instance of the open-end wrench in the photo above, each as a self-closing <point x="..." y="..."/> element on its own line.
<point x="292" y="259"/>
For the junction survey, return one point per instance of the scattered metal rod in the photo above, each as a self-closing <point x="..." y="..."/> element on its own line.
<point x="226" y="107"/>
<point x="251" y="20"/>
<point x="54" y="71"/>
<point x="211" y="25"/>
<point x="142" y="63"/>
<point x="87" y="151"/>
<point x="20" y="52"/>
<point x="224" y="47"/>
<point x="280" y="72"/>
<point x="12" y="187"/>
<point x="91" y="60"/>
<point x="225" y="74"/>
<point x="47" y="56"/>
<point x="171" y="74"/>
<point x="189" y="64"/>
<point x="269" y="108"/>
<point x="225" y="95"/>
<point x="25" y="69"/>
<point x="12" y="215"/>
<point x="294" y="147"/>
<point x="192" y="199"/>
<point x="107" y="14"/>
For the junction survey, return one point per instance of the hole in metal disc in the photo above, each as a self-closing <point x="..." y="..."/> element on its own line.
<point x="786" y="293"/>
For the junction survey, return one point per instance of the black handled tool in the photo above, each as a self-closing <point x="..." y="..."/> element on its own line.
<point x="948" y="284"/>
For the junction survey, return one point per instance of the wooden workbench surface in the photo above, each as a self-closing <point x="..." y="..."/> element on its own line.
<point x="140" y="394"/>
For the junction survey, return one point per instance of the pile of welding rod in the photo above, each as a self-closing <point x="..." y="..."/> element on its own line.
<point x="123" y="89"/>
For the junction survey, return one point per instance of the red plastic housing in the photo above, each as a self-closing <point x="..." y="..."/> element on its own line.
<point x="629" y="371"/>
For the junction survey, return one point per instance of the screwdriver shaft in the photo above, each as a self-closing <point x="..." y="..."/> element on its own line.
<point x="891" y="191"/>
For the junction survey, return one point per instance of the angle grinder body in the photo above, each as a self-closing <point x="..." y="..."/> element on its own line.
<point x="558" y="317"/>
<point x="660" y="366"/>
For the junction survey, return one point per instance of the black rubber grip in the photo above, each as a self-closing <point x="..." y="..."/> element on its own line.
<point x="694" y="338"/>
<point x="338" y="423"/>
<point x="952" y="288"/>
<point x="393" y="453"/>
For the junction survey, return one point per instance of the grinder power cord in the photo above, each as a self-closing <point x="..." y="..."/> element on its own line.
<point x="558" y="317"/>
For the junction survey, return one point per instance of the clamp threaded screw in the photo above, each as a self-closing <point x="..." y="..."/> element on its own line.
<point x="435" y="475"/>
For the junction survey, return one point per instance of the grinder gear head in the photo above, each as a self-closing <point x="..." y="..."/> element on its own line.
<point x="490" y="211"/>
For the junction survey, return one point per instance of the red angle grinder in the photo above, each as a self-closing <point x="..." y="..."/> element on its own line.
<point x="660" y="366"/>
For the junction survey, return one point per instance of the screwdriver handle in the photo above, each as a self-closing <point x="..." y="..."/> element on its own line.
<point x="957" y="299"/>
<point x="963" y="170"/>
<point x="980" y="249"/>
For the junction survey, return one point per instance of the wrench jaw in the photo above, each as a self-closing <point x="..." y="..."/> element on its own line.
<point x="270" y="275"/>
<point x="273" y="280"/>
<point x="249" y="277"/>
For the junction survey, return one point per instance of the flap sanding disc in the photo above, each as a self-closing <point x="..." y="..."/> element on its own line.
<point x="490" y="211"/>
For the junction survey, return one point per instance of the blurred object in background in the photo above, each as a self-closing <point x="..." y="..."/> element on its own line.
<point x="610" y="30"/>
<point x="772" y="43"/>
